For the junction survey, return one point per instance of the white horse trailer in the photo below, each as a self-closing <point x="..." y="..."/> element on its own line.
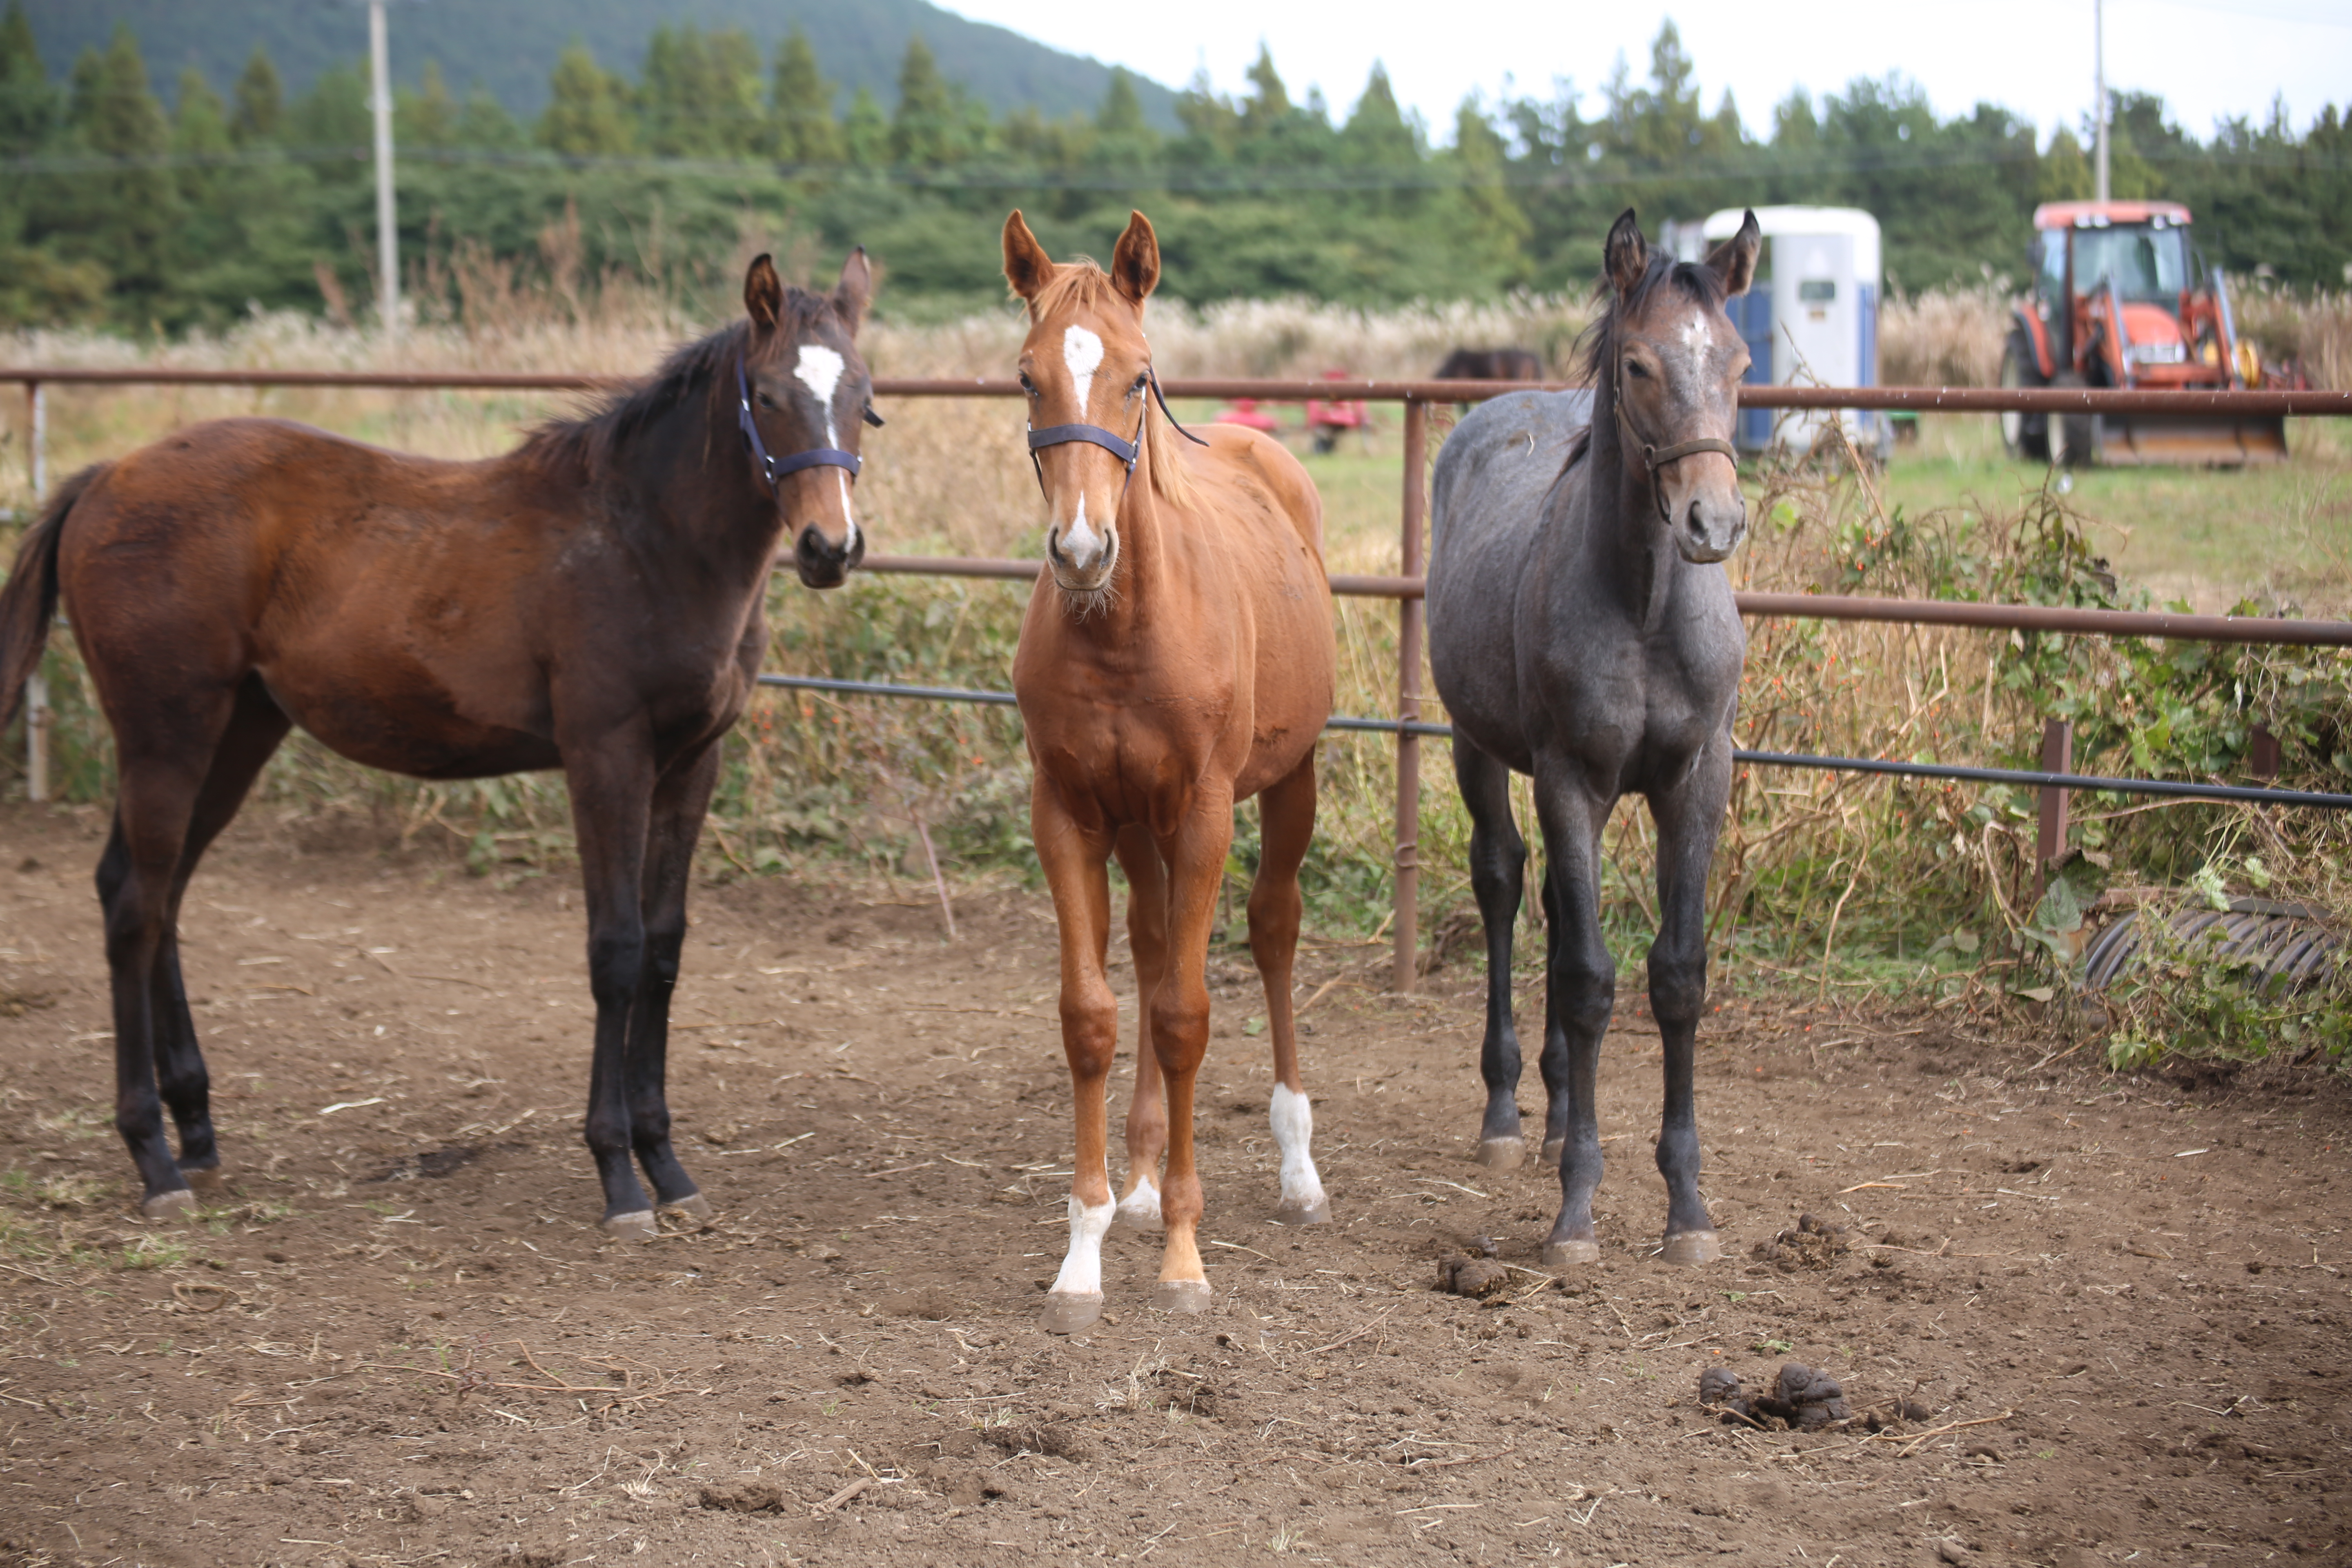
<point x="1810" y="315"/>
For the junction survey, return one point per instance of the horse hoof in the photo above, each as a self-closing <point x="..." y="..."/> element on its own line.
<point x="1571" y="1254"/>
<point x="1180" y="1295"/>
<point x="694" y="1206"/>
<point x="1552" y="1149"/>
<point x="1066" y="1314"/>
<point x="1501" y="1153"/>
<point x="1317" y="1213"/>
<point x="203" y="1178"/>
<point x="176" y="1203"/>
<point x="1691" y="1248"/>
<point x="638" y="1224"/>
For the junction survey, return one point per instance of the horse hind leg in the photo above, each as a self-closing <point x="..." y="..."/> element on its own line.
<point x="1146" y="1112"/>
<point x="257" y="726"/>
<point x="1286" y="817"/>
<point x="1498" y="859"/>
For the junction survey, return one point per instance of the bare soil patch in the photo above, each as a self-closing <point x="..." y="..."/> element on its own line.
<point x="2071" y="1318"/>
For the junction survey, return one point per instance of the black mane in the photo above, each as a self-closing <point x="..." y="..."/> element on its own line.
<point x="706" y="367"/>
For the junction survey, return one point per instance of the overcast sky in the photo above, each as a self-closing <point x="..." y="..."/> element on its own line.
<point x="2208" y="58"/>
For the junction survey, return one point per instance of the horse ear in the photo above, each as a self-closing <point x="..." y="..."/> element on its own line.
<point x="763" y="293"/>
<point x="1026" y="265"/>
<point x="1626" y="256"/>
<point x="1734" y="260"/>
<point x="1135" y="264"/>
<point x="855" y="291"/>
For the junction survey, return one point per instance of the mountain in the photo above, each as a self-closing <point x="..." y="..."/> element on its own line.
<point x="509" y="46"/>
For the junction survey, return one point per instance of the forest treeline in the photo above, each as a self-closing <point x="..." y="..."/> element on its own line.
<point x="117" y="209"/>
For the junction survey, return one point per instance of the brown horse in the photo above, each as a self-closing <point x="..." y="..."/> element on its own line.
<point x="1177" y="657"/>
<point x="591" y="601"/>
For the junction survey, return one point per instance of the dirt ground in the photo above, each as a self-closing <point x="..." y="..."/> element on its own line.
<point x="2114" y="1306"/>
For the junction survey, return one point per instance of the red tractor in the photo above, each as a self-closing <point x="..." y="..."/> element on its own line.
<point x="2121" y="298"/>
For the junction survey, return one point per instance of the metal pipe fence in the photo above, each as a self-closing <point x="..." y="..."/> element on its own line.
<point x="2054" y="781"/>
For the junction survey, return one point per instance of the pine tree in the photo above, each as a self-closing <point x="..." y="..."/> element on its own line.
<point x="261" y="101"/>
<point x="28" y="104"/>
<point x="428" y="116"/>
<point x="1378" y="133"/>
<point x="587" y="113"/>
<point x="923" y="130"/>
<point x="1269" y="105"/>
<point x="123" y="217"/>
<point x="865" y="131"/>
<point x="801" y="107"/>
<point x="1121" y="113"/>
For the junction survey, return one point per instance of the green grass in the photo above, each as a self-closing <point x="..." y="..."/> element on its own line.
<point x="2272" y="532"/>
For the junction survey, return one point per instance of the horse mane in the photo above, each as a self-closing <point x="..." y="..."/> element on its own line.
<point x="1080" y="284"/>
<point x="593" y="441"/>
<point x="1596" y="346"/>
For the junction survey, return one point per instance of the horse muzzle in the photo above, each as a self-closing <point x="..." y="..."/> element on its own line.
<point x="824" y="562"/>
<point x="1710" y="532"/>
<point x="1090" y="576"/>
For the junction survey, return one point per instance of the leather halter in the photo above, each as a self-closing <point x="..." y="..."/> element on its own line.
<point x="1111" y="441"/>
<point x="771" y="467"/>
<point x="1656" y="457"/>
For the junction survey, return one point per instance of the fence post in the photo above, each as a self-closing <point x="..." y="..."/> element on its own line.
<point x="37" y="690"/>
<point x="1407" y="930"/>
<point x="2263" y="753"/>
<point x="2050" y="835"/>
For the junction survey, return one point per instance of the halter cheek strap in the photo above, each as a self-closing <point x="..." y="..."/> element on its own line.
<point x="1125" y="450"/>
<point x="771" y="467"/>
<point x="1656" y="457"/>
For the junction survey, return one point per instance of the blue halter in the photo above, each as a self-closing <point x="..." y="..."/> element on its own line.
<point x="772" y="468"/>
<point x="1125" y="451"/>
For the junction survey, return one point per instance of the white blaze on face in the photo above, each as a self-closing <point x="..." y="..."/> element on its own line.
<point x="1081" y="1272"/>
<point x="1293" y="1116"/>
<point x="1079" y="543"/>
<point x="819" y="369"/>
<point x="1082" y="350"/>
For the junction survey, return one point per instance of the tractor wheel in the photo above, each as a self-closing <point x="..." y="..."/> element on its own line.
<point x="2027" y="436"/>
<point x="1326" y="440"/>
<point x="2074" y="432"/>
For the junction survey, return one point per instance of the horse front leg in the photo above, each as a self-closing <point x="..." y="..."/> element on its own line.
<point x="610" y="780"/>
<point x="1689" y="819"/>
<point x="1147" y="1110"/>
<point x="1581" y="993"/>
<point x="1286" y="814"/>
<point x="1498" y="859"/>
<point x="680" y="802"/>
<point x="1075" y="864"/>
<point x="1195" y="857"/>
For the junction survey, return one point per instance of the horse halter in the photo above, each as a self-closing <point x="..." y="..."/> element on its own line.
<point x="772" y="468"/>
<point x="1656" y="457"/>
<point x="1125" y="451"/>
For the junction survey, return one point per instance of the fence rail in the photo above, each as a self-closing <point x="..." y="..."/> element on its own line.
<point x="2055" y="779"/>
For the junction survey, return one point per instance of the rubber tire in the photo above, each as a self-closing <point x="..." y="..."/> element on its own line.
<point x="2075" y="445"/>
<point x="2026" y="436"/>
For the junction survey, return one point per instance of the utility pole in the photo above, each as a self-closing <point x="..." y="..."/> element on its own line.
<point x="2099" y="89"/>
<point x="387" y="231"/>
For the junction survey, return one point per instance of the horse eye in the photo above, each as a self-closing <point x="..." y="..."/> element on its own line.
<point x="1633" y="367"/>
<point x="766" y="401"/>
<point x="1028" y="385"/>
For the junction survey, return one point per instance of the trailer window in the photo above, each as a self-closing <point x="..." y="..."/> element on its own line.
<point x="2145" y="263"/>
<point x="1816" y="290"/>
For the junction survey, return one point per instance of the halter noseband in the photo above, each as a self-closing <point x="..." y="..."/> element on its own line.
<point x="772" y="468"/>
<point x="1125" y="450"/>
<point x="1656" y="457"/>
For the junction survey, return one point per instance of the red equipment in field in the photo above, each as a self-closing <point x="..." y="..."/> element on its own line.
<point x="1328" y="421"/>
<point x="2121" y="298"/>
<point x="1246" y="411"/>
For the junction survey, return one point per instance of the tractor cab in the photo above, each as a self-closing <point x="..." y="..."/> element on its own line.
<point x="2121" y="298"/>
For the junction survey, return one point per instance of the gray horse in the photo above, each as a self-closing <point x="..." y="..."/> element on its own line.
<point x="1580" y="633"/>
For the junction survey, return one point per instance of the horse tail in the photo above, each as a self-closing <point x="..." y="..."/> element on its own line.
<point x="29" y="600"/>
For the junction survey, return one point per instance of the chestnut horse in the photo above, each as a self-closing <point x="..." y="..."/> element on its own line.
<point x="589" y="602"/>
<point x="1177" y="657"/>
<point x="1579" y="631"/>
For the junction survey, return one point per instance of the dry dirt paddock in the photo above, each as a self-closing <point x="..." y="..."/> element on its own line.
<point x="2115" y="1305"/>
